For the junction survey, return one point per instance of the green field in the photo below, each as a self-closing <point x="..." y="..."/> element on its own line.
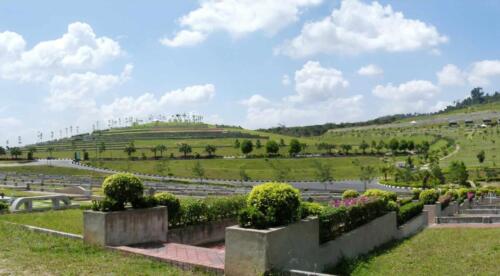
<point x="51" y="170"/>
<point x="25" y="252"/>
<point x="299" y="168"/>
<point x="69" y="221"/>
<point x="458" y="251"/>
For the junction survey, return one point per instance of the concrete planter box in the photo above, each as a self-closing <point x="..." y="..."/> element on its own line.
<point x="127" y="227"/>
<point x="450" y="210"/>
<point x="413" y="226"/>
<point x="210" y="232"/>
<point x="433" y="211"/>
<point x="296" y="246"/>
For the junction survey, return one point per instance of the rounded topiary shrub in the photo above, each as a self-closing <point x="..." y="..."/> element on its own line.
<point x="250" y="217"/>
<point x="429" y="196"/>
<point x="350" y="194"/>
<point x="310" y="209"/>
<point x="385" y="195"/>
<point x="416" y="193"/>
<point x="171" y="202"/>
<point x="123" y="188"/>
<point x="279" y="202"/>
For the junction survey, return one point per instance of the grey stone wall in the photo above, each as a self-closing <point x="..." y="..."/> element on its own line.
<point x="209" y="232"/>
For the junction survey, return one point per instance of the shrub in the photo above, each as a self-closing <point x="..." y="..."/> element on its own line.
<point x="386" y="195"/>
<point x="350" y="194"/>
<point x="123" y="188"/>
<point x="310" y="209"/>
<point x="346" y="216"/>
<point x="197" y="211"/>
<point x="445" y="200"/>
<point x="392" y="206"/>
<point x="172" y="203"/>
<point x="416" y="193"/>
<point x="462" y="192"/>
<point x="3" y="206"/>
<point x="250" y="217"/>
<point x="408" y="211"/>
<point x="279" y="202"/>
<point x="105" y="205"/>
<point x="145" y="202"/>
<point x="429" y="196"/>
<point x="404" y="201"/>
<point x="452" y="193"/>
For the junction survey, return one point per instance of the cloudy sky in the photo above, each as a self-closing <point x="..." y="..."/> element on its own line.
<point x="255" y="63"/>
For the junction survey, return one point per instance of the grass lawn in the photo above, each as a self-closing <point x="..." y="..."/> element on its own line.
<point x="51" y="170"/>
<point x="18" y="193"/>
<point x="299" y="169"/>
<point x="434" y="252"/>
<point x="69" y="221"/>
<point x="28" y="253"/>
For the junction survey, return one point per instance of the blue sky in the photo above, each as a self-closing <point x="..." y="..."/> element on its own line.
<point x="252" y="63"/>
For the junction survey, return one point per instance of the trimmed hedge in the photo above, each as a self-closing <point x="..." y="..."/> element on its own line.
<point x="171" y="202"/>
<point x="350" y="194"/>
<point x="198" y="211"/>
<point x="3" y="206"/>
<point x="429" y="196"/>
<point x="386" y="195"/>
<point x="310" y="209"/>
<point x="279" y="202"/>
<point x="334" y="221"/>
<point x="409" y="211"/>
<point x="122" y="188"/>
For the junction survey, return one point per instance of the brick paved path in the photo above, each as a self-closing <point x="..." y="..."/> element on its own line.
<point x="186" y="256"/>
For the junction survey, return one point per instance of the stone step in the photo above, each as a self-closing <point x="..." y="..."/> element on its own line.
<point x="485" y="207"/>
<point x="469" y="219"/>
<point x="481" y="211"/>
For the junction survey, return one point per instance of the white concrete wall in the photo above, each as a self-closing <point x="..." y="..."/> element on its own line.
<point x="296" y="246"/>
<point x="413" y="226"/>
<point x="210" y="232"/>
<point x="125" y="227"/>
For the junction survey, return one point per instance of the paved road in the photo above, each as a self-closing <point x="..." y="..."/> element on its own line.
<point x="309" y="185"/>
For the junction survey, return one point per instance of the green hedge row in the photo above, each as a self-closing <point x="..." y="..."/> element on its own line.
<point x="198" y="211"/>
<point x="409" y="211"/>
<point x="334" y="221"/>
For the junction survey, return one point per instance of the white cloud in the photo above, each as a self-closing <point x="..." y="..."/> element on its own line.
<point x="357" y="27"/>
<point x="451" y="75"/>
<point x="315" y="83"/>
<point x="370" y="70"/>
<point x="411" y="96"/>
<point x="285" y="80"/>
<point x="79" y="49"/>
<point x="412" y="90"/>
<point x="184" y="38"/>
<point x="317" y="99"/>
<point x="482" y="72"/>
<point x="80" y="89"/>
<point x="148" y="103"/>
<point x="236" y="17"/>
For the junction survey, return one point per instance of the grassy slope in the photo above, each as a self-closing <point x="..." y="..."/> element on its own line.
<point x="28" y="253"/>
<point x="435" y="252"/>
<point x="51" y="170"/>
<point x="69" y="221"/>
<point x="300" y="169"/>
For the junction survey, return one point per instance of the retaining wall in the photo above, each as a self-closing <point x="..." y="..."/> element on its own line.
<point x="210" y="232"/>
<point x="296" y="246"/>
<point x="125" y="227"/>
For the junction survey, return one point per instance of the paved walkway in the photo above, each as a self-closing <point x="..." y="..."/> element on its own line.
<point x="185" y="256"/>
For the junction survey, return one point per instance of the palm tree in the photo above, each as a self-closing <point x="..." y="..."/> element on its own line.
<point x="210" y="149"/>
<point x="154" y="150"/>
<point x="185" y="149"/>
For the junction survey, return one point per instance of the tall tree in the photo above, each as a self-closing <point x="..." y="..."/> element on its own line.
<point x="295" y="147"/>
<point x="102" y="148"/>
<point x="367" y="174"/>
<point x="161" y="148"/>
<point x="210" y="150"/>
<point x="323" y="172"/>
<point x="15" y="152"/>
<point x="363" y="146"/>
<point x="130" y="149"/>
<point x="185" y="149"/>
<point x="246" y="147"/>
<point x="481" y="156"/>
<point x="272" y="147"/>
<point x="199" y="171"/>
